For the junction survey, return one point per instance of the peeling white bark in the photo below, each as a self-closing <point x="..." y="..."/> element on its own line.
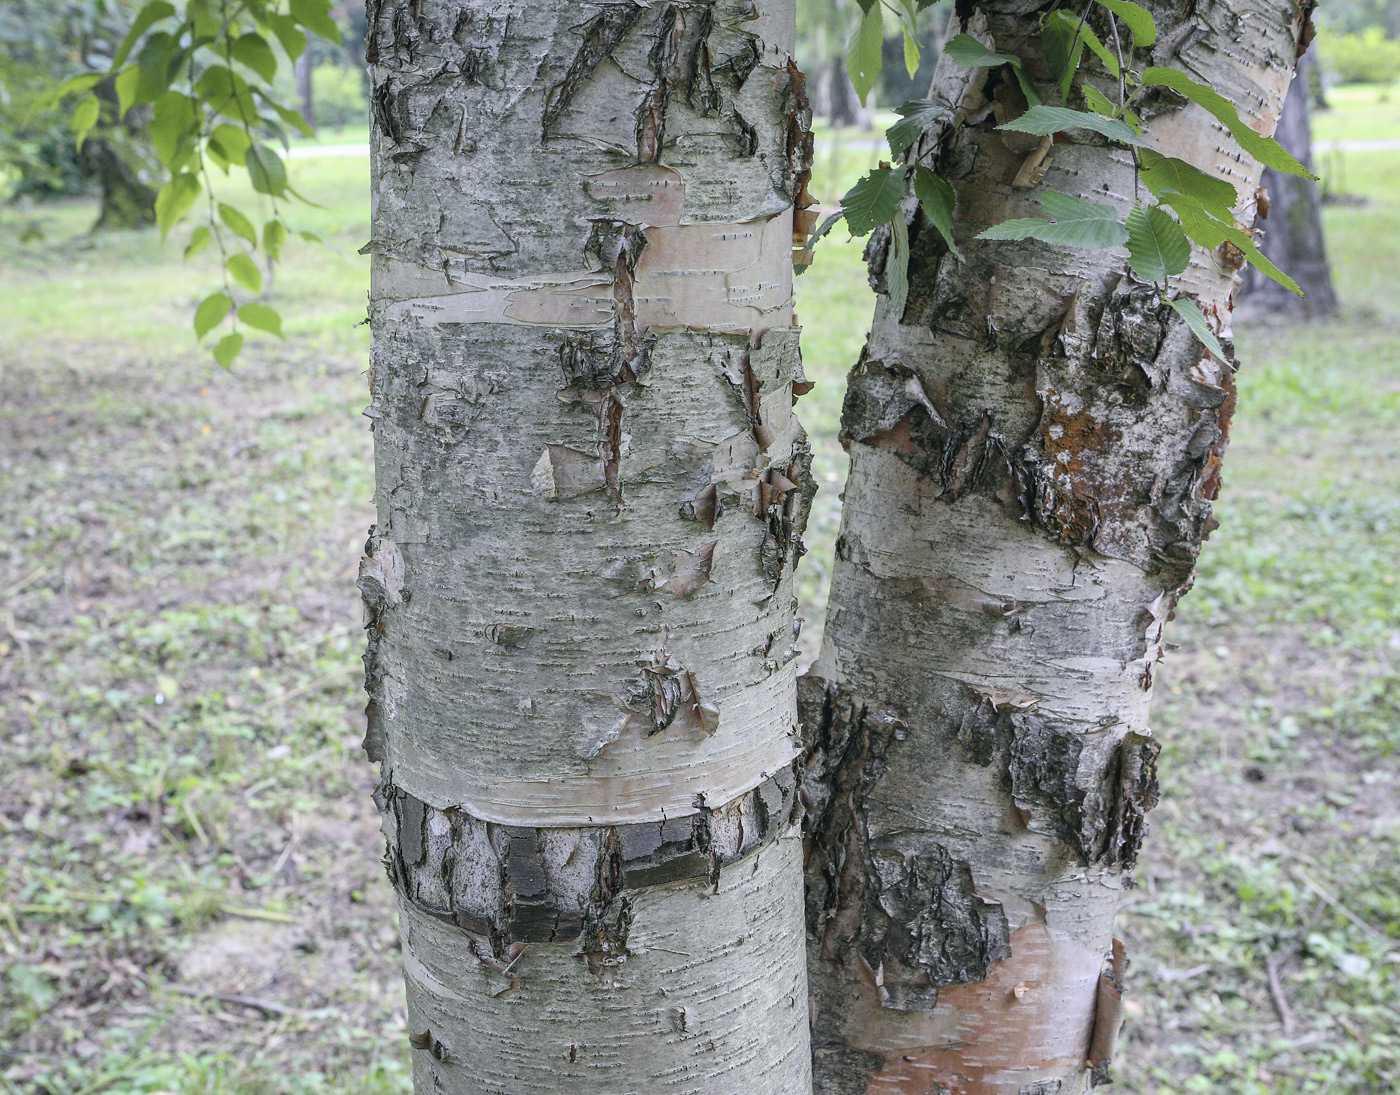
<point x="591" y="490"/>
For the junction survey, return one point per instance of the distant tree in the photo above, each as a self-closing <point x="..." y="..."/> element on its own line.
<point x="305" y="96"/>
<point x="822" y="29"/>
<point x="39" y="41"/>
<point x="1292" y="235"/>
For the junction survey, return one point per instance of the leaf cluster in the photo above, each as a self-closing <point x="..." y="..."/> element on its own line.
<point x="1178" y="203"/>
<point x="206" y="71"/>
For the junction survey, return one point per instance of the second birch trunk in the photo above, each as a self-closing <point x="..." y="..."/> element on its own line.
<point x="1035" y="442"/>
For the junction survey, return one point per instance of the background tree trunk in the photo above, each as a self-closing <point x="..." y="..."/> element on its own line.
<point x="843" y="104"/>
<point x="1035" y="442"/>
<point x="591" y="488"/>
<point x="112" y="156"/>
<point x="127" y="202"/>
<point x="303" y="74"/>
<point x="1292" y="233"/>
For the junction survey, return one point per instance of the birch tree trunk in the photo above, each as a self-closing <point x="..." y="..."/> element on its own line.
<point x="591" y="488"/>
<point x="1035" y="443"/>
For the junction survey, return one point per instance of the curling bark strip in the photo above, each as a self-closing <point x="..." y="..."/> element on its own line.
<point x="1035" y="442"/>
<point x="591" y="490"/>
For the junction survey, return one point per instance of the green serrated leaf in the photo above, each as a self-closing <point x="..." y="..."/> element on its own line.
<point x="161" y="59"/>
<point x="310" y="237"/>
<point x="1027" y="88"/>
<point x="1136" y="18"/>
<point x="967" y="52"/>
<point x="212" y="311"/>
<point x="227" y="93"/>
<point x="174" y="200"/>
<point x="227" y="349"/>
<point x="266" y="171"/>
<point x="125" y="87"/>
<point x="1062" y="38"/>
<point x="911" y="53"/>
<point x="937" y="200"/>
<point x="285" y="28"/>
<point x="261" y="317"/>
<point x="230" y="142"/>
<point x="1102" y="52"/>
<point x="1043" y="120"/>
<point x="274" y="236"/>
<point x="239" y="223"/>
<point x="1157" y="246"/>
<point x="916" y="117"/>
<point x="84" y="81"/>
<point x="1018" y="228"/>
<point x="205" y="22"/>
<point x="200" y="238"/>
<point x="292" y="117"/>
<point x="865" y="54"/>
<point x="174" y="120"/>
<point x="1191" y="313"/>
<point x="251" y="49"/>
<point x="1166" y="173"/>
<point x="85" y="116"/>
<point x="1210" y="233"/>
<point x="897" y="265"/>
<point x="315" y="16"/>
<point x="909" y="25"/>
<point x="146" y="18"/>
<point x="873" y="200"/>
<point x="1098" y="102"/>
<point x="245" y="271"/>
<point x="1075" y="223"/>
<point x="1264" y="149"/>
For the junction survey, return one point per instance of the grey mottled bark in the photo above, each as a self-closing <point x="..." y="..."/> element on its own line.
<point x="1292" y="232"/>
<point x="591" y="489"/>
<point x="1035" y="443"/>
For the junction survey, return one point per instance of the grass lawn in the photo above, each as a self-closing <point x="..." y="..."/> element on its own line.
<point x="1359" y="112"/>
<point x="191" y="899"/>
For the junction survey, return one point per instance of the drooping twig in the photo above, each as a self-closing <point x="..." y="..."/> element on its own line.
<point x="1332" y="899"/>
<point x="1272" y="964"/>
<point x="266" y="1007"/>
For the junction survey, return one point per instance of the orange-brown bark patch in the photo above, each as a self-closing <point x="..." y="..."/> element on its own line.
<point x="1030" y="1020"/>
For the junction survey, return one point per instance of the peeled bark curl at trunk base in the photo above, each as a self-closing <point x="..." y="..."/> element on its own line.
<point x="1035" y="445"/>
<point x="591" y="493"/>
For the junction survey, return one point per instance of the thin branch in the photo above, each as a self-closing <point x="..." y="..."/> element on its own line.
<point x="1272" y="964"/>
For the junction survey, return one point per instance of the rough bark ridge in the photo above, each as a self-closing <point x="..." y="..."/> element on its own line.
<point x="1035" y="443"/>
<point x="591" y="492"/>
